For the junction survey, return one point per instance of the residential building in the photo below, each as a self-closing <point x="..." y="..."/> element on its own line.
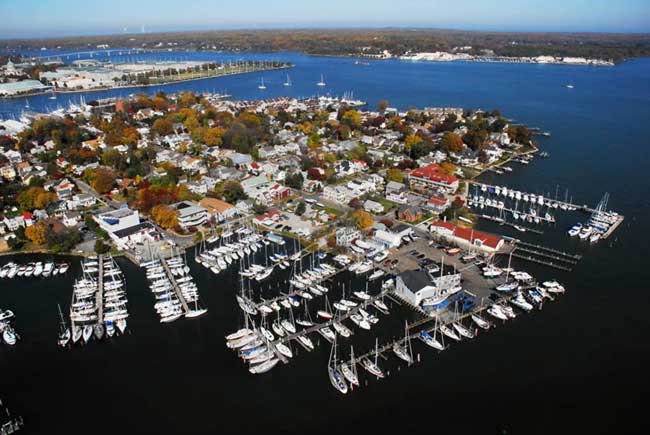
<point x="373" y="206"/>
<point x="221" y="210"/>
<point x="429" y="178"/>
<point x="346" y="235"/>
<point x="410" y="213"/>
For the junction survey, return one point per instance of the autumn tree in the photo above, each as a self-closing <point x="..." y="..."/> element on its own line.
<point x="363" y="219"/>
<point x="37" y="233"/>
<point x="352" y="118"/>
<point x="451" y="142"/>
<point x="162" y="127"/>
<point x="448" y="168"/>
<point x="394" y="174"/>
<point x="165" y="216"/>
<point x="382" y="106"/>
<point x="102" y="180"/>
<point x="44" y="199"/>
<point x="214" y="136"/>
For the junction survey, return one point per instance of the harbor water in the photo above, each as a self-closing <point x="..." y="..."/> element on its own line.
<point x="578" y="366"/>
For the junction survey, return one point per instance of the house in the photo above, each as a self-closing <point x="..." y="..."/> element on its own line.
<point x="190" y="214"/>
<point x="409" y="213"/>
<point x="373" y="207"/>
<point x="71" y="218"/>
<point x="430" y="178"/>
<point x="64" y="189"/>
<point x="219" y="209"/>
<point x="267" y="152"/>
<point x="438" y="204"/>
<point x="83" y="200"/>
<point x="467" y="238"/>
<point x="415" y="286"/>
<point x="14" y="223"/>
<point x="346" y="235"/>
<point x="338" y="194"/>
<point x="23" y="168"/>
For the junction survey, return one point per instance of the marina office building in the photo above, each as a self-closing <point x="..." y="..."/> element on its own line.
<point x="416" y="286"/>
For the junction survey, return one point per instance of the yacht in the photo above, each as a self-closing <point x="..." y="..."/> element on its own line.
<point x="402" y="352"/>
<point x="284" y="350"/>
<point x="321" y="83"/>
<point x="372" y="367"/>
<point x="9" y="336"/>
<point x="264" y="366"/>
<point x="288" y="82"/>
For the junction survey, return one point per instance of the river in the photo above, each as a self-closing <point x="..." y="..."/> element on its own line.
<point x="578" y="366"/>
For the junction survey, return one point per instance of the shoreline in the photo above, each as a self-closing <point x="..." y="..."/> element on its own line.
<point x="100" y="89"/>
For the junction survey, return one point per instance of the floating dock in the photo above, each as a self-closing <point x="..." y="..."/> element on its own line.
<point x="177" y="289"/>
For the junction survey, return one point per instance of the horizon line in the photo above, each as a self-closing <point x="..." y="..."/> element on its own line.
<point x="414" y="28"/>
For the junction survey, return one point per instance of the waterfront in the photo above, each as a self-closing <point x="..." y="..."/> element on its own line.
<point x="577" y="366"/>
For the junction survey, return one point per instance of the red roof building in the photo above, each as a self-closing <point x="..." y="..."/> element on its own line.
<point x="429" y="177"/>
<point x="466" y="237"/>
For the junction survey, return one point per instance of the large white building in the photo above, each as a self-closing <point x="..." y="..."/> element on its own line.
<point x="415" y="286"/>
<point x="190" y="214"/>
<point x="117" y="220"/>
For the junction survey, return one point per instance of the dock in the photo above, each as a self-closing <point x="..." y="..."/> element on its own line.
<point x="613" y="227"/>
<point x="563" y="205"/>
<point x="100" y="290"/>
<point x="177" y="289"/>
<point x="510" y="224"/>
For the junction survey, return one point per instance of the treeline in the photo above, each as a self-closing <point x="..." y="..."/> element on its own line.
<point x="615" y="46"/>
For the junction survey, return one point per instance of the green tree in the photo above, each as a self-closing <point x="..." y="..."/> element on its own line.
<point x="300" y="208"/>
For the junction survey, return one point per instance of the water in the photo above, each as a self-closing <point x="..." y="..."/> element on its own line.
<point x="579" y="366"/>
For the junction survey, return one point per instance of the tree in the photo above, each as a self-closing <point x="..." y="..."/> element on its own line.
<point x="162" y="127"/>
<point x="103" y="180"/>
<point x="394" y="174"/>
<point x="27" y="199"/>
<point x="214" y="136"/>
<point x="300" y="208"/>
<point x="411" y="141"/>
<point x="354" y="203"/>
<point x="451" y="142"/>
<point x="37" y="233"/>
<point x="448" y="168"/>
<point x="363" y="219"/>
<point x="382" y="106"/>
<point x="233" y="192"/>
<point x="352" y="118"/>
<point x="165" y="216"/>
<point x="44" y="199"/>
<point x="101" y="247"/>
<point x="294" y="180"/>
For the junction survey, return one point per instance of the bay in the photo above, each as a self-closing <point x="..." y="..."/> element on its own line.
<point x="577" y="366"/>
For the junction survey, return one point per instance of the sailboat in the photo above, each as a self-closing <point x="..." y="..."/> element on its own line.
<point x="430" y="340"/>
<point x="349" y="370"/>
<point x="261" y="85"/>
<point x="371" y="366"/>
<point x="336" y="378"/>
<point x="288" y="82"/>
<point x="64" y="331"/>
<point x="403" y="351"/>
<point x="321" y="83"/>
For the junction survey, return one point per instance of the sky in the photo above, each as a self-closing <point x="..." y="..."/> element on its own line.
<point x="40" y="18"/>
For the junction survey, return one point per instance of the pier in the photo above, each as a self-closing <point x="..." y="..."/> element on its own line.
<point x="501" y="221"/>
<point x="100" y="290"/>
<point x="177" y="289"/>
<point x="613" y="227"/>
<point x="564" y="205"/>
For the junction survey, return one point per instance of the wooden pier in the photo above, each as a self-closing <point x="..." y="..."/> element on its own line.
<point x="177" y="289"/>
<point x="613" y="227"/>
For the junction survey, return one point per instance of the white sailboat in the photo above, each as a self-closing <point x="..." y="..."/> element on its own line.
<point x="288" y="82"/>
<point x="336" y="378"/>
<point x="371" y="366"/>
<point x="261" y="85"/>
<point x="321" y="83"/>
<point x="349" y="370"/>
